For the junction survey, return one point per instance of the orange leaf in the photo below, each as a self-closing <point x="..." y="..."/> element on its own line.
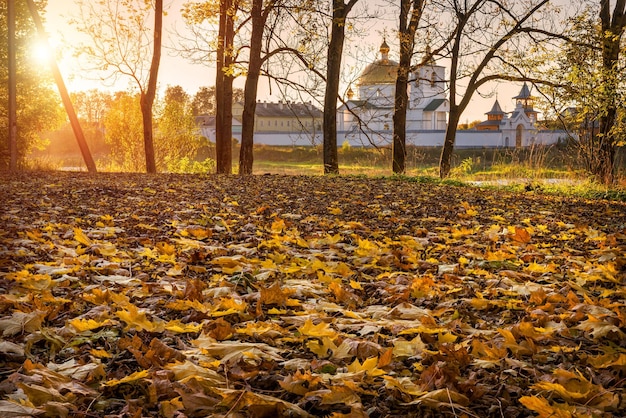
<point x="521" y="235"/>
<point x="385" y="359"/>
<point x="542" y="406"/>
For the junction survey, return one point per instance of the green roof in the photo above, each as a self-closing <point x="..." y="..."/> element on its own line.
<point x="434" y="105"/>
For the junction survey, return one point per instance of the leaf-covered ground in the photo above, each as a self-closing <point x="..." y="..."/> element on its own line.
<point x="184" y="296"/>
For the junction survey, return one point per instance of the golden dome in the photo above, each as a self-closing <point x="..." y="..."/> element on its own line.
<point x="382" y="71"/>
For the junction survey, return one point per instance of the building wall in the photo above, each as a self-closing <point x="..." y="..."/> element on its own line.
<point x="283" y="124"/>
<point x="279" y="123"/>
<point x="420" y="138"/>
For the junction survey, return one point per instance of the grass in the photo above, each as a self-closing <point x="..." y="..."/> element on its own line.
<point x="540" y="170"/>
<point x="546" y="169"/>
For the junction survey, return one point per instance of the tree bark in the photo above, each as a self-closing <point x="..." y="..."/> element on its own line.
<point x="246" y="154"/>
<point x="65" y="97"/>
<point x="445" y="162"/>
<point x="147" y="97"/>
<point x="613" y="26"/>
<point x="406" y="35"/>
<point x="12" y="86"/>
<point x="333" y="72"/>
<point x="224" y="91"/>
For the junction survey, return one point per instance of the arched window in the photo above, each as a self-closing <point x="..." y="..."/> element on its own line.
<point x="433" y="79"/>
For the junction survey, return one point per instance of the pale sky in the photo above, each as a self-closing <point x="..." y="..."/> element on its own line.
<point x="175" y="70"/>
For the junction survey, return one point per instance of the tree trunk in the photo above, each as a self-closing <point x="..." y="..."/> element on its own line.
<point x="147" y="97"/>
<point x="406" y="35"/>
<point x="445" y="162"/>
<point x="224" y="91"/>
<point x="333" y="71"/>
<point x="12" y="87"/>
<point x="148" y="142"/>
<point x="246" y="154"/>
<point x="65" y="97"/>
<point x="612" y="30"/>
<point x="399" y="121"/>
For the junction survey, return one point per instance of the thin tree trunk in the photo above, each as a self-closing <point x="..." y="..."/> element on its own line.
<point x="399" y="122"/>
<point x="224" y="91"/>
<point x="445" y="162"/>
<point x="246" y="154"/>
<point x="65" y="97"/>
<point x="333" y="71"/>
<point x="406" y="35"/>
<point x="147" y="98"/>
<point x="612" y="31"/>
<point x="12" y="87"/>
<point x="219" y="85"/>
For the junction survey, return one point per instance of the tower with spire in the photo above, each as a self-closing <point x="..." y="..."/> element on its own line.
<point x="494" y="118"/>
<point x="524" y="103"/>
<point x="520" y="128"/>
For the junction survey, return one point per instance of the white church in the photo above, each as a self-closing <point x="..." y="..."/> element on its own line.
<point x="365" y="118"/>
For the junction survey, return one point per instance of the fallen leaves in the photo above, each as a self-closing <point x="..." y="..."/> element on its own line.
<point x="306" y="296"/>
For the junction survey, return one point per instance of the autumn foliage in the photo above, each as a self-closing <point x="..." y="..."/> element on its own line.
<point x="187" y="296"/>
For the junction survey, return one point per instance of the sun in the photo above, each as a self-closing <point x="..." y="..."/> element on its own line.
<point x="41" y="52"/>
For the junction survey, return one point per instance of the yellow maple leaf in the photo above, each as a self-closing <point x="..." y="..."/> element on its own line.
<point x="319" y="330"/>
<point x="469" y="209"/>
<point x="335" y="211"/>
<point x="463" y="232"/>
<point x="338" y="394"/>
<point x="368" y="366"/>
<point x="597" y="327"/>
<point x="542" y="406"/>
<point x="128" y="379"/>
<point x="278" y="226"/>
<point x="355" y="285"/>
<point x="147" y="252"/>
<point x="170" y="408"/>
<point x="321" y="350"/>
<point x="274" y="311"/>
<point x="268" y="264"/>
<point x="107" y="249"/>
<point x="405" y="349"/>
<point x="300" y="383"/>
<point x="182" y="328"/>
<point x="273" y="295"/>
<point x="446" y="338"/>
<point x="166" y="248"/>
<point x="100" y="353"/>
<point x="484" y="351"/>
<point x="540" y="268"/>
<point x="81" y="325"/>
<point x="138" y="319"/>
<point x="81" y="237"/>
<point x="199" y="233"/>
<point x="184" y="304"/>
<point x="608" y="360"/>
<point x="480" y="303"/>
<point x="421" y="329"/>
<point x="230" y="303"/>
<point x="404" y="384"/>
